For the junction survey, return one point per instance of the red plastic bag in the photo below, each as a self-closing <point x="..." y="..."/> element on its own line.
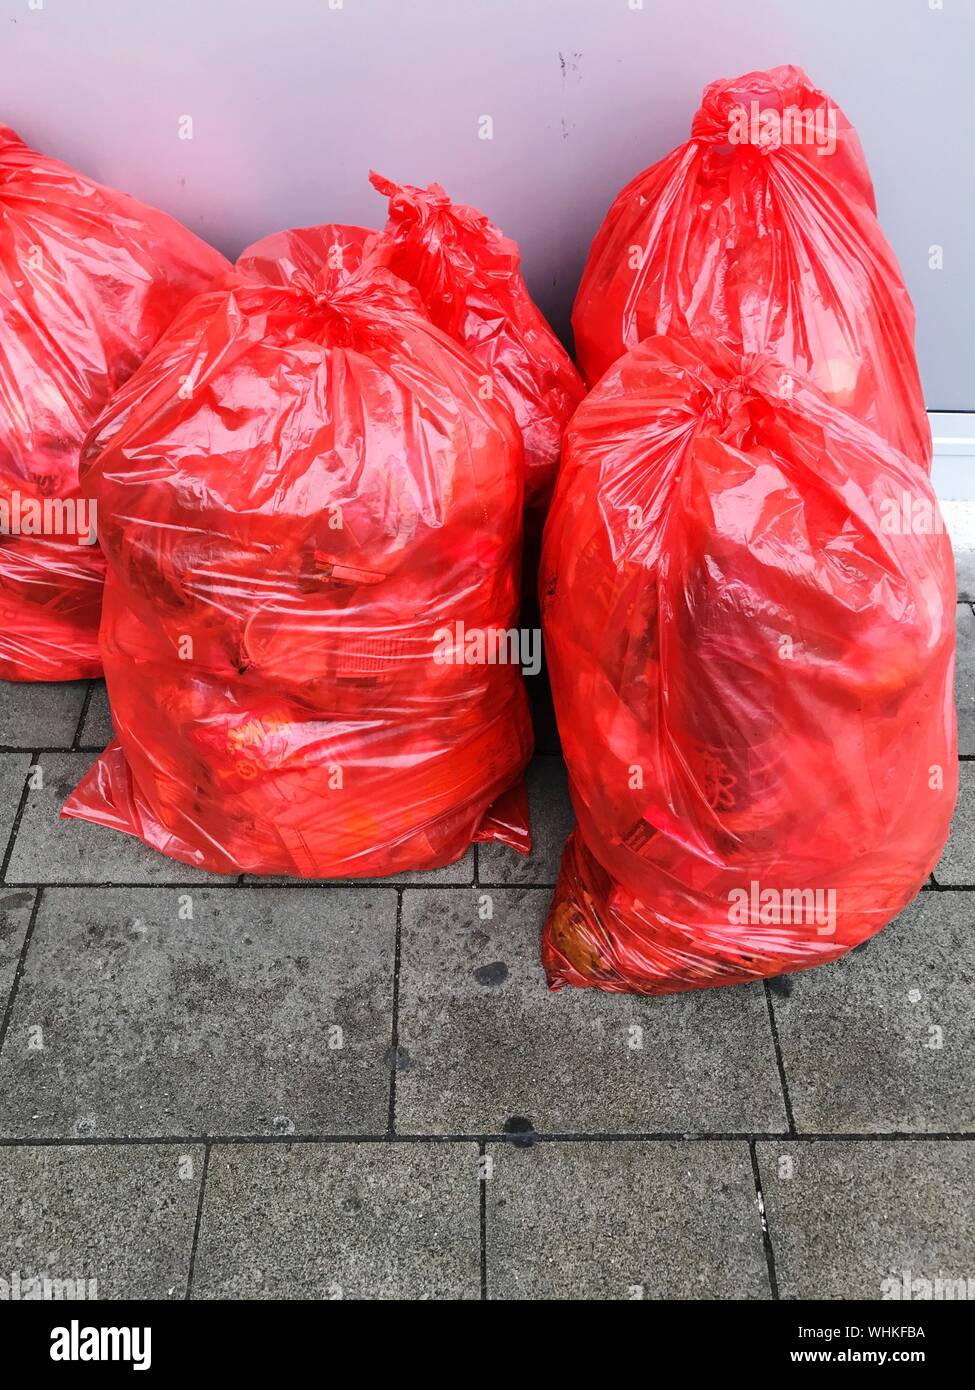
<point x="749" y="605"/>
<point x="299" y="493"/>
<point x="469" y="279"/>
<point x="761" y="232"/>
<point x="89" y="278"/>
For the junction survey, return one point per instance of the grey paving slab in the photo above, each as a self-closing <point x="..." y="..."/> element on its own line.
<point x="327" y="1221"/>
<point x="551" y="820"/>
<point x="120" y="1215"/>
<point x="15" y="910"/>
<point x="267" y="1013"/>
<point x="957" y="862"/>
<point x="625" y="1220"/>
<point x="50" y="850"/>
<point x="96" y="728"/>
<point x="483" y="1044"/>
<point x="13" y="774"/>
<point x="461" y="872"/>
<point x="864" y="1219"/>
<point x="40" y="715"/>
<point x="882" y="1040"/>
<point x="965" y="677"/>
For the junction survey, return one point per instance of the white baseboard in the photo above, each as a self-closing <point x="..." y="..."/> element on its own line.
<point x="953" y="473"/>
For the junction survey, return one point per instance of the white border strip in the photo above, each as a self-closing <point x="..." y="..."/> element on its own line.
<point x="953" y="473"/>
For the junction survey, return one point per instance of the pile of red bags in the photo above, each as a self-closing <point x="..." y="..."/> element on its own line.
<point x="89" y="279"/>
<point x="761" y="232"/>
<point x="747" y="592"/>
<point x="311" y="494"/>
<point x="300" y="492"/>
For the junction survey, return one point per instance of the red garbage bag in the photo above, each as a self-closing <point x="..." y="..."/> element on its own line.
<point x="762" y="232"/>
<point x="749" y="603"/>
<point x="301" y="493"/>
<point x="89" y="278"/>
<point x="468" y="276"/>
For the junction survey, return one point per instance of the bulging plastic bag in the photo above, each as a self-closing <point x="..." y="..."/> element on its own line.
<point x="469" y="279"/>
<point x="302" y="495"/>
<point x="749" y="601"/>
<point x="762" y="233"/>
<point x="89" y="278"/>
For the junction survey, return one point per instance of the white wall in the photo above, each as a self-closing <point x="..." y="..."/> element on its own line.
<point x="292" y="101"/>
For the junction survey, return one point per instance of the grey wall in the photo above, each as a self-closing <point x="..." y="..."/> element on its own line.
<point x="292" y="101"/>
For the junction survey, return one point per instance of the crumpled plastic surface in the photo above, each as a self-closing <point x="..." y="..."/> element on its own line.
<point x="299" y="492"/>
<point x="768" y="247"/>
<point x="749" y="603"/>
<point x="469" y="278"/>
<point x="89" y="278"/>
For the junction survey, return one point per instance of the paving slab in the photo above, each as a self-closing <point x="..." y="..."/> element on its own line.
<point x="97" y="730"/>
<point x="121" y="1215"/>
<point x="50" y="850"/>
<point x="957" y="863"/>
<point x="15" y="910"/>
<point x="267" y="1013"/>
<point x="965" y="678"/>
<point x="484" y="1045"/>
<point x="625" y="1220"/>
<point x="41" y="714"/>
<point x="13" y="774"/>
<point x="551" y="818"/>
<point x="460" y="872"/>
<point x="865" y="1219"/>
<point x="328" y="1221"/>
<point x="881" y="1041"/>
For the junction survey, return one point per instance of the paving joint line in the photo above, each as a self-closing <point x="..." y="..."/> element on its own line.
<point x="763" y="1216"/>
<point x="7" y="748"/>
<point x="196" y="1225"/>
<point x="780" y="1063"/>
<point x="21" y="965"/>
<point x="82" y="716"/>
<point x="231" y="881"/>
<point x="18" y="817"/>
<point x="517" y="1140"/>
<point x="482" y="1215"/>
<point x="394" y="1032"/>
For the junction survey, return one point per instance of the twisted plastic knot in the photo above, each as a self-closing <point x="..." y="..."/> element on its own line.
<point x="748" y="110"/>
<point x="726" y="403"/>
